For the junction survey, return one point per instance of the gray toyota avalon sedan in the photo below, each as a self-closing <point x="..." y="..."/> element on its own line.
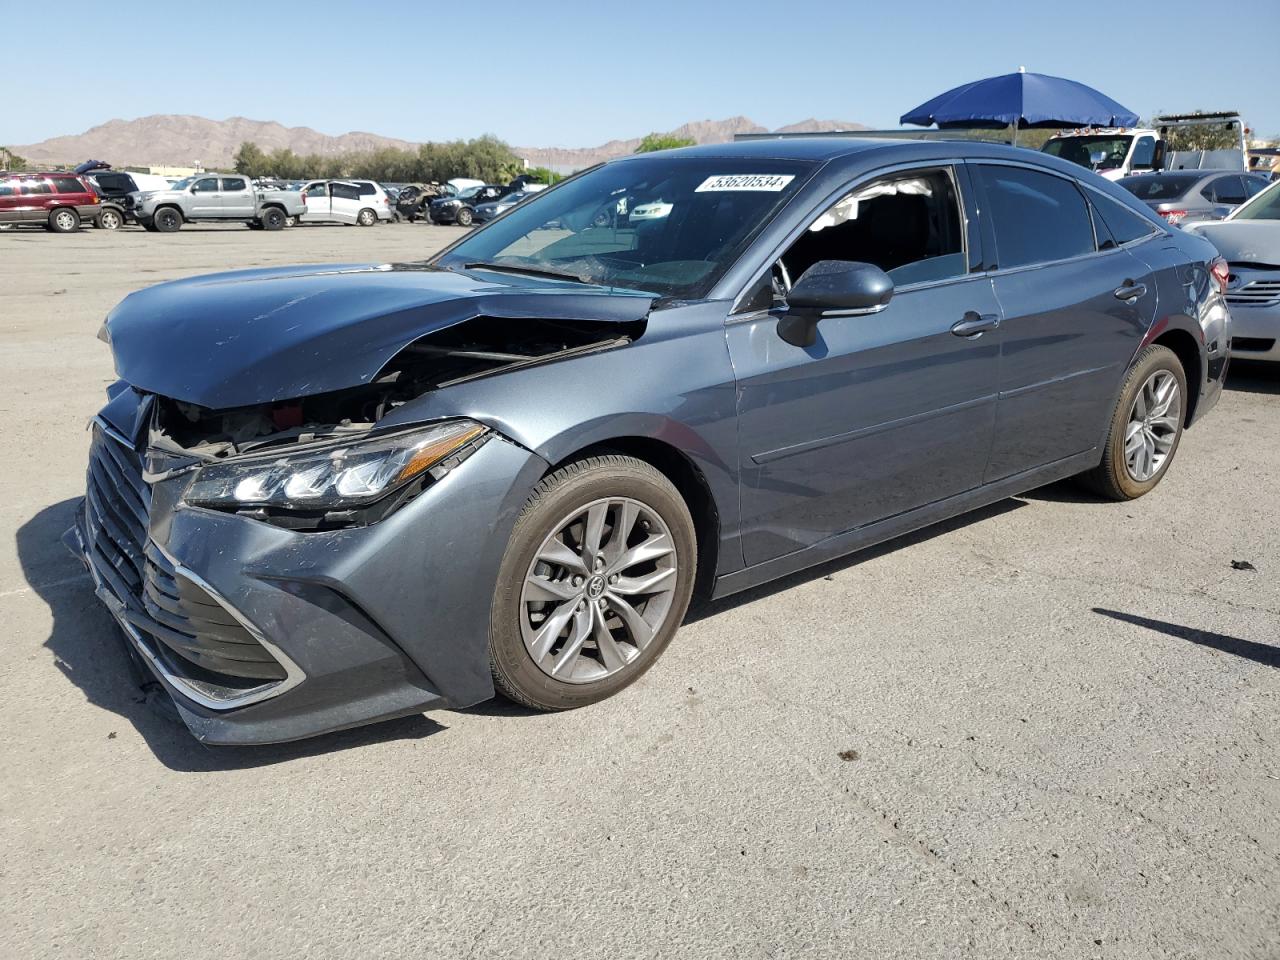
<point x="322" y="496"/>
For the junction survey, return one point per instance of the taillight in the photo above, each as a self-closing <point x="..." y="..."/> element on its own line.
<point x="1221" y="272"/>
<point x="1173" y="216"/>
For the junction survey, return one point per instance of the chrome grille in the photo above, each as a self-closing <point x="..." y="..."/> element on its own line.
<point x="1256" y="293"/>
<point x="208" y="644"/>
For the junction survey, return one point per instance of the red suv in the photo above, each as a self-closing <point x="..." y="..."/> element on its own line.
<point x="58" y="200"/>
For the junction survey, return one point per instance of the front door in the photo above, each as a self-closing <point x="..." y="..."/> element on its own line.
<point x="1075" y="306"/>
<point x="206" y="198"/>
<point x="316" y="197"/>
<point x="886" y="412"/>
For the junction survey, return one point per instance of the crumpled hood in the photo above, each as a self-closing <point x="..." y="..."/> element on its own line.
<point x="257" y="336"/>
<point x="1244" y="241"/>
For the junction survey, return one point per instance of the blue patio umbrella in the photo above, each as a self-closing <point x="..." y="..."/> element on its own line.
<point x="1022" y="100"/>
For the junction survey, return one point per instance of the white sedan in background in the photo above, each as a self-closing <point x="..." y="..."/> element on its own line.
<point x="1249" y="240"/>
<point x="361" y="202"/>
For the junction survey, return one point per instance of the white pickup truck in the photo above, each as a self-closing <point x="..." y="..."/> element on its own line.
<point x="1115" y="152"/>
<point x="213" y="196"/>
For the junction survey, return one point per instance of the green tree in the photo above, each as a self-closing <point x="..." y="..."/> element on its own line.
<point x="11" y="161"/>
<point x="663" y="141"/>
<point x="250" y="160"/>
<point x="544" y="175"/>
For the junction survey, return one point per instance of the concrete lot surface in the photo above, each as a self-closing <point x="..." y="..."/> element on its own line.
<point x="1048" y="729"/>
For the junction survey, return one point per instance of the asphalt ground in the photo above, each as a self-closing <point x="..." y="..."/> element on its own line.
<point x="1046" y="729"/>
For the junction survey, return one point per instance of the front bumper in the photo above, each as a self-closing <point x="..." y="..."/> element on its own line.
<point x="261" y="634"/>
<point x="1255" y="314"/>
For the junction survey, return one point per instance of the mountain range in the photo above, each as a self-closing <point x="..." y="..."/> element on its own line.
<point x="178" y="140"/>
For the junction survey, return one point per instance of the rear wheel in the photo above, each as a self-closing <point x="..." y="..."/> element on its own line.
<point x="273" y="219"/>
<point x="64" y="221"/>
<point x="366" y="218"/>
<point x="109" y="219"/>
<point x="595" y="582"/>
<point x="1145" y="428"/>
<point x="167" y="220"/>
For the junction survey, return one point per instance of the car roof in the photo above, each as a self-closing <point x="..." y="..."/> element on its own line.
<point x="827" y="148"/>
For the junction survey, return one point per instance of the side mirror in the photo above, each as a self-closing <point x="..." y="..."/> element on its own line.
<point x="1158" y="155"/>
<point x="832" y="288"/>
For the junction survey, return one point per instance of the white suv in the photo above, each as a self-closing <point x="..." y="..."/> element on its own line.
<point x="361" y="202"/>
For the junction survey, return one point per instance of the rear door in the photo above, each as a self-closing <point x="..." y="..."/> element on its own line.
<point x="346" y="201"/>
<point x="206" y="198"/>
<point x="237" y="198"/>
<point x="35" y="198"/>
<point x="316" y="197"/>
<point x="1076" y="305"/>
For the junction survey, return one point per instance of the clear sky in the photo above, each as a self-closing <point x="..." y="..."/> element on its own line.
<point x="568" y="73"/>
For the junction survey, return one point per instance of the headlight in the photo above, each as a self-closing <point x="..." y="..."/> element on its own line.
<point x="341" y="476"/>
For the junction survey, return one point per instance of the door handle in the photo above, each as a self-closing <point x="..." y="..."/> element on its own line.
<point x="1130" y="291"/>
<point x="975" y="324"/>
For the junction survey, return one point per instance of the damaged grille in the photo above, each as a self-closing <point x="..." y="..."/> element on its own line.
<point x="198" y="638"/>
<point x="1257" y="293"/>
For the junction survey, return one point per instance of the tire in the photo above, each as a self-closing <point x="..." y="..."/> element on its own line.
<point x="109" y="219"/>
<point x="64" y="220"/>
<point x="366" y="218"/>
<point x="575" y="669"/>
<point x="273" y="219"/>
<point x="254" y="225"/>
<point x="1152" y="428"/>
<point x="167" y="220"/>
<point x="148" y="226"/>
<point x="290" y="221"/>
<point x="464" y="217"/>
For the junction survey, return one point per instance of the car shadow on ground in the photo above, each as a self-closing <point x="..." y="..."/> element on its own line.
<point x="1263" y="653"/>
<point x="90" y="651"/>
<point x="702" y="609"/>
<point x="1247" y="376"/>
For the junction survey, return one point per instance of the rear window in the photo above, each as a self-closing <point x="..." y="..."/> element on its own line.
<point x="67" y="185"/>
<point x="114" y="182"/>
<point x="1037" y="217"/>
<point x="366" y="189"/>
<point x="1123" y="224"/>
<point x="1159" y="186"/>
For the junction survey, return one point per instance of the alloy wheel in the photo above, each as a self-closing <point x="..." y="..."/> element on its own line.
<point x="598" y="591"/>
<point x="65" y="220"/>
<point x="1154" y="421"/>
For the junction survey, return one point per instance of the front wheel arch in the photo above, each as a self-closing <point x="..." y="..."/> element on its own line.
<point x="687" y="478"/>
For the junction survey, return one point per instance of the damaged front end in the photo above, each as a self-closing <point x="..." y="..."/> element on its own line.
<point x="316" y="463"/>
<point x="288" y="564"/>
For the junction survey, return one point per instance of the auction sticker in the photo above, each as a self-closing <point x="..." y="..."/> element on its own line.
<point x="767" y="182"/>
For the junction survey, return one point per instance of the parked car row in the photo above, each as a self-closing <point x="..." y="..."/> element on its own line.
<point x="109" y="199"/>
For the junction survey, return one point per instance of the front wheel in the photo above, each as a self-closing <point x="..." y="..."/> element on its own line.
<point x="464" y="217"/>
<point x="167" y="220"/>
<point x="367" y="218"/>
<point x="1145" y="428"/>
<point x="595" y="581"/>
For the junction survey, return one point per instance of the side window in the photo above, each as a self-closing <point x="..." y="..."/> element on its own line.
<point x="1254" y="185"/>
<point x="345" y="191"/>
<point x="234" y="183"/>
<point x="1037" y="217"/>
<point x="33" y="187"/>
<point x="67" y="185"/>
<point x="366" y="189"/>
<point x="8" y="188"/>
<point x="1144" y="152"/>
<point x="209" y="185"/>
<point x="909" y="225"/>
<point x="1123" y="224"/>
<point x="1228" y="190"/>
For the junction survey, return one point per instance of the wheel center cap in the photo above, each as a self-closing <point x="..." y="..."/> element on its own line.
<point x="595" y="588"/>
